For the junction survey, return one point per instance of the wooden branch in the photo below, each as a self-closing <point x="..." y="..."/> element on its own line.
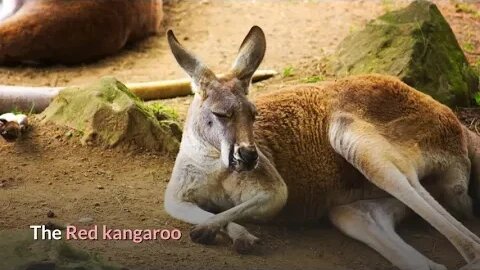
<point x="178" y="88"/>
<point x="36" y="99"/>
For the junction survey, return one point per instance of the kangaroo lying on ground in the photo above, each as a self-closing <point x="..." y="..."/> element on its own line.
<point x="362" y="150"/>
<point x="59" y="31"/>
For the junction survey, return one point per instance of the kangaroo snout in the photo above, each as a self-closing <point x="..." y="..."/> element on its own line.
<point x="245" y="158"/>
<point x="248" y="154"/>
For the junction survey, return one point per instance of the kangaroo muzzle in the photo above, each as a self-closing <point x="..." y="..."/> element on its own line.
<point x="243" y="158"/>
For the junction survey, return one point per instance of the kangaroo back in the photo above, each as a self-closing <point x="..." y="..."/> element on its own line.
<point x="57" y="31"/>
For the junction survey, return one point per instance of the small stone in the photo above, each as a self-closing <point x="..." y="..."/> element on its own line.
<point x="50" y="214"/>
<point x="86" y="220"/>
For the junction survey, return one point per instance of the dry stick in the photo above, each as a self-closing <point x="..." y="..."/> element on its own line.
<point x="178" y="88"/>
<point x="36" y="99"/>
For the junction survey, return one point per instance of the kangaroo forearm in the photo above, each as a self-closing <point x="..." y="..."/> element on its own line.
<point x="191" y="213"/>
<point x="186" y="211"/>
<point x="260" y="208"/>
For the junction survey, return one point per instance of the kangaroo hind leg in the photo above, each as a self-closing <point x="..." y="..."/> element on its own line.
<point x="372" y="222"/>
<point x="381" y="162"/>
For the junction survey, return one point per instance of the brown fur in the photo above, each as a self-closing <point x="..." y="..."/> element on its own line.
<point x="291" y="129"/>
<point x="10" y="131"/>
<point x="58" y="31"/>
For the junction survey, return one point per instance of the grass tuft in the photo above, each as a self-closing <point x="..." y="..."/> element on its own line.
<point x="313" y="79"/>
<point x="288" y="72"/>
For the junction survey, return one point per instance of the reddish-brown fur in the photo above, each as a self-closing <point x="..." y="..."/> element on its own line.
<point x="57" y="31"/>
<point x="287" y="131"/>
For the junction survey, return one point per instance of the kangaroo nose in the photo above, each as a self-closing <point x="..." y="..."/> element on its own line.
<point x="248" y="154"/>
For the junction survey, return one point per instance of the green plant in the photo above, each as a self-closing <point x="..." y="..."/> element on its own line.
<point x="469" y="46"/>
<point x="313" y="79"/>
<point x="476" y="69"/>
<point x="477" y="98"/>
<point x="16" y="110"/>
<point x="288" y="72"/>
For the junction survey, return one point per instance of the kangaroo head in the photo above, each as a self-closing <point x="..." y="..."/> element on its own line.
<point x="221" y="114"/>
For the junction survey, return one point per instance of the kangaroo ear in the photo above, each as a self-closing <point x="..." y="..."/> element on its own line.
<point x="250" y="55"/>
<point x="200" y="74"/>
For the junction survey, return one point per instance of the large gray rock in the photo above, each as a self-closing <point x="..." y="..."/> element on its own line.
<point x="107" y="113"/>
<point x="417" y="45"/>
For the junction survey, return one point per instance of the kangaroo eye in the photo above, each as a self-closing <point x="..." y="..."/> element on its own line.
<point x="222" y="115"/>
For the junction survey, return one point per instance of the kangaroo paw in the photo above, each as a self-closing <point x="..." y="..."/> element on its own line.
<point x="246" y="244"/>
<point x="204" y="234"/>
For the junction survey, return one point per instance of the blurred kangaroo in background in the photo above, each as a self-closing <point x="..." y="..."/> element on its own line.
<point x="70" y="32"/>
<point x="362" y="150"/>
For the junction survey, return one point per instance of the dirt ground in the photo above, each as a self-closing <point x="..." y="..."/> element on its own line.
<point x="49" y="171"/>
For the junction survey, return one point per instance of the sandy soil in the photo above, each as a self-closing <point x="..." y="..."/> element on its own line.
<point x="48" y="170"/>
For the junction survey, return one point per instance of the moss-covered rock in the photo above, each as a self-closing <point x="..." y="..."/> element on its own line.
<point x="21" y="252"/>
<point x="417" y="45"/>
<point x="107" y="113"/>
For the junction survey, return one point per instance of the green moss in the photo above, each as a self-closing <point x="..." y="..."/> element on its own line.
<point x="161" y="111"/>
<point x="20" y="251"/>
<point x="415" y="44"/>
<point x="107" y="113"/>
